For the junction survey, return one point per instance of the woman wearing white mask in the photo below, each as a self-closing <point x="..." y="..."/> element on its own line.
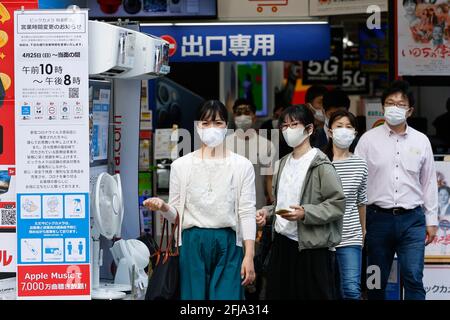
<point x="213" y="192"/>
<point x="309" y="206"/>
<point x="353" y="173"/>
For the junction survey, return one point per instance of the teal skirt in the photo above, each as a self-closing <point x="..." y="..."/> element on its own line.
<point x="210" y="265"/>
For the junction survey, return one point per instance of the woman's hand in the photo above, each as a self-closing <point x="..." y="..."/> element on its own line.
<point x="261" y="216"/>
<point x="247" y="270"/>
<point x="156" y="204"/>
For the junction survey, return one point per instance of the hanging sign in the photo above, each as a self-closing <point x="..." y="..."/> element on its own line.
<point x="353" y="80"/>
<point x="327" y="72"/>
<point x="52" y="154"/>
<point x="245" y="42"/>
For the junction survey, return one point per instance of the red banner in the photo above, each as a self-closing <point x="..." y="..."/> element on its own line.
<point x="7" y="8"/>
<point x="53" y="280"/>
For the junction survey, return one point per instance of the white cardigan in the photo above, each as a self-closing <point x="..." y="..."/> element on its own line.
<point x="244" y="180"/>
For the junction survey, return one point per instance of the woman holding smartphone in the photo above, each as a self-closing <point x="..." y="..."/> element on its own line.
<point x="353" y="173"/>
<point x="310" y="204"/>
<point x="213" y="192"/>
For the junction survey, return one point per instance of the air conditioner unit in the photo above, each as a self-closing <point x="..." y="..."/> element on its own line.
<point x="151" y="58"/>
<point x="116" y="52"/>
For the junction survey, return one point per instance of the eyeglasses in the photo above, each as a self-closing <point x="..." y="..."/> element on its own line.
<point x="395" y="104"/>
<point x="209" y="123"/>
<point x="292" y="125"/>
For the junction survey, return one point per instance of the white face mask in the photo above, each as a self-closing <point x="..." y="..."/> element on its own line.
<point x="275" y="124"/>
<point x="319" y="115"/>
<point x="394" y="115"/>
<point x="343" y="137"/>
<point x="212" y="137"/>
<point x="295" y="137"/>
<point x="243" y="122"/>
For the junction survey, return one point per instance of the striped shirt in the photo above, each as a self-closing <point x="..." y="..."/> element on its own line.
<point x="353" y="174"/>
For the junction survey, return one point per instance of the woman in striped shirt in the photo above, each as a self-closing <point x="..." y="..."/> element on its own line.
<point x="353" y="173"/>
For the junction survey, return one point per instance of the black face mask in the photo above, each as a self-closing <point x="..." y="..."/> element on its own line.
<point x="2" y="93"/>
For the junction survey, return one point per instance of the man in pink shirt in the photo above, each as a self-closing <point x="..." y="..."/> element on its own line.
<point x="402" y="192"/>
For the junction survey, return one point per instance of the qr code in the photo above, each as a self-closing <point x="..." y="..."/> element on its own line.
<point x="74" y="93"/>
<point x="8" y="217"/>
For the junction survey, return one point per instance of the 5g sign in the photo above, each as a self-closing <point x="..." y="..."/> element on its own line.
<point x="329" y="67"/>
<point x="328" y="72"/>
<point x="353" y="79"/>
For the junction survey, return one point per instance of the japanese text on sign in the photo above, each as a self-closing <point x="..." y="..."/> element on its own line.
<point x="238" y="45"/>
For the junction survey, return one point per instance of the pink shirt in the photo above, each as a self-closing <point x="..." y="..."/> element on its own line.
<point x="401" y="170"/>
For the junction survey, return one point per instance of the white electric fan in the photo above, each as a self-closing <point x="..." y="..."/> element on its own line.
<point x="131" y="257"/>
<point x="107" y="215"/>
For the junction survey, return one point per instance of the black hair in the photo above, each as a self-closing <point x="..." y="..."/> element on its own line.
<point x="335" y="116"/>
<point x="336" y="99"/>
<point x="399" y="86"/>
<point x="282" y="107"/>
<point x="448" y="104"/>
<point x="244" y="102"/>
<point x="300" y="113"/>
<point x="446" y="188"/>
<point x="314" y="92"/>
<point x="210" y="109"/>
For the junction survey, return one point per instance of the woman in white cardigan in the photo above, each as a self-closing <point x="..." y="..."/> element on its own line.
<point x="213" y="191"/>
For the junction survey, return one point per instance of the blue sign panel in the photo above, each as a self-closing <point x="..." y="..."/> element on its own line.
<point x="52" y="228"/>
<point x="245" y="42"/>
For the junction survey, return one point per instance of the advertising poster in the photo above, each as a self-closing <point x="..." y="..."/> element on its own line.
<point x="423" y="38"/>
<point x="99" y="110"/>
<point x="436" y="282"/>
<point x="7" y="9"/>
<point x="333" y="7"/>
<point x="52" y="154"/>
<point x="327" y="72"/>
<point x="373" y="110"/>
<point x="7" y="148"/>
<point x="354" y="81"/>
<point x="252" y="84"/>
<point x="374" y="49"/>
<point x="440" y="247"/>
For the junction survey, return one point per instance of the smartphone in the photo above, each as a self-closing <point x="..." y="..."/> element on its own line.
<point x="282" y="212"/>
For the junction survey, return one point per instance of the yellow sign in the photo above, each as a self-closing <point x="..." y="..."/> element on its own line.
<point x="3" y="38"/>
<point x="6" y="80"/>
<point x="4" y="14"/>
